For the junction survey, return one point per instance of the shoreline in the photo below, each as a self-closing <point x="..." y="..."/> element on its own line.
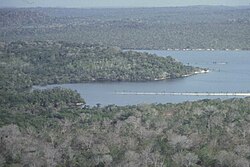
<point x="122" y="81"/>
<point x="196" y="72"/>
<point x="243" y="94"/>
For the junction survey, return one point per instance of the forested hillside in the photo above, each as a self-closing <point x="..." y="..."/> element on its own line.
<point x="45" y="62"/>
<point x="204" y="133"/>
<point x="197" y="27"/>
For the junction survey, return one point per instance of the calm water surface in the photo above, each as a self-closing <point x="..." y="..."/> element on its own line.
<point x="230" y="72"/>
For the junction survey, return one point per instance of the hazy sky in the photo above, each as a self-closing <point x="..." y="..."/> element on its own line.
<point x="117" y="3"/>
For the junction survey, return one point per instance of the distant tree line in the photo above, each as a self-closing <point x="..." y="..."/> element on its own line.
<point x="200" y="27"/>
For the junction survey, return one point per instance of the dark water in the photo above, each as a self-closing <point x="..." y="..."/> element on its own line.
<point x="230" y="72"/>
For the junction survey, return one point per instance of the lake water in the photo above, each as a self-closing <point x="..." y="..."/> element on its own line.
<point x="230" y="72"/>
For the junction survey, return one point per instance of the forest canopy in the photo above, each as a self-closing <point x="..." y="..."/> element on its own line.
<point x="24" y="64"/>
<point x="194" y="27"/>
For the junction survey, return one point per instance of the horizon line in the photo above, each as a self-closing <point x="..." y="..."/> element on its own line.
<point x="124" y="7"/>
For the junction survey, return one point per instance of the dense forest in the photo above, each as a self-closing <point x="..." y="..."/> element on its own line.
<point x="197" y="27"/>
<point x="37" y="131"/>
<point x="24" y="64"/>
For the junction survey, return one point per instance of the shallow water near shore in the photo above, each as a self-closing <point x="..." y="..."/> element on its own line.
<point x="229" y="73"/>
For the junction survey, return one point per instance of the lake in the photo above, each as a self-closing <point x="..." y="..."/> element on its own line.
<point x="229" y="72"/>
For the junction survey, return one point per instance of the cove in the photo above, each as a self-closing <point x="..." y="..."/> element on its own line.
<point x="229" y="73"/>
